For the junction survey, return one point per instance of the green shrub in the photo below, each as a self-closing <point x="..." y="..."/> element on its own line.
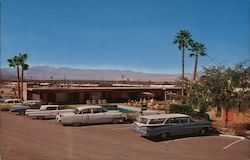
<point x="199" y="116"/>
<point x="186" y="109"/>
<point x="180" y="108"/>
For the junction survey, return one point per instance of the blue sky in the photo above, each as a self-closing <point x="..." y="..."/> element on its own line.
<point x="124" y="34"/>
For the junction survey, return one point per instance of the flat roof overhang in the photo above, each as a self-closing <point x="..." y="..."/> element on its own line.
<point x="99" y="88"/>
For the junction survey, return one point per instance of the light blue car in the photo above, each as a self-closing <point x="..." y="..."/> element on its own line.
<point x="165" y="125"/>
<point x="30" y="104"/>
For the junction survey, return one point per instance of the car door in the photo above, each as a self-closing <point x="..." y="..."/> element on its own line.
<point x="185" y="126"/>
<point x="194" y="127"/>
<point x="50" y="111"/>
<point x="98" y="116"/>
<point x="83" y="116"/>
<point x="175" y="128"/>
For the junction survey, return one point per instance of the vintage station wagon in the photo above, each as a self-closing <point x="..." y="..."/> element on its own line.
<point x="46" y="111"/>
<point x="165" y="125"/>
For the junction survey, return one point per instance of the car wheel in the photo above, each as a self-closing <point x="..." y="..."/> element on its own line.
<point x="41" y="117"/>
<point x="22" y="113"/>
<point x="76" y="124"/>
<point x="115" y="121"/>
<point x="203" y="131"/>
<point x="164" y="136"/>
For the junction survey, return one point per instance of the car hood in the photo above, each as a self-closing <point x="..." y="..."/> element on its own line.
<point x="16" y="107"/>
<point x="139" y="124"/>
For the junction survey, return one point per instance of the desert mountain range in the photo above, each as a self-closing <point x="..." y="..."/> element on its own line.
<point x="46" y="72"/>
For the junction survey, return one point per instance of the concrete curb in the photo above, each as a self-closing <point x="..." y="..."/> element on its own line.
<point x="225" y="135"/>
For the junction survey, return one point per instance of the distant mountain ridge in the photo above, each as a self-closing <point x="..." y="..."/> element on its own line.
<point x="60" y="73"/>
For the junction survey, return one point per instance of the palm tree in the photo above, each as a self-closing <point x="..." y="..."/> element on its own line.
<point x="23" y="58"/>
<point x="15" y="63"/>
<point x="197" y="49"/>
<point x="183" y="40"/>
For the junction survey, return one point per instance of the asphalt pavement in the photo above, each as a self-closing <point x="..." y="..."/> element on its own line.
<point x="22" y="138"/>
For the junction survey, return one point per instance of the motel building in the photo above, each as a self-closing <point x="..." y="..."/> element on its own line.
<point x="82" y="93"/>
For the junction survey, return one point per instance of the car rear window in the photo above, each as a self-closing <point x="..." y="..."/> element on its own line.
<point x="143" y="120"/>
<point x="51" y="108"/>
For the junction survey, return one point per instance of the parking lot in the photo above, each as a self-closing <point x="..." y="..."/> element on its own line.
<point x="23" y="138"/>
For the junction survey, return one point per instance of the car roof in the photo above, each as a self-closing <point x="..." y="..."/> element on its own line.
<point x="164" y="116"/>
<point x="88" y="107"/>
<point x="14" y="99"/>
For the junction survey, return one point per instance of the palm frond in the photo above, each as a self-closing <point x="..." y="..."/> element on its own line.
<point x="191" y="55"/>
<point x="22" y="58"/>
<point x="11" y="63"/>
<point x="183" y="39"/>
<point x="198" y="48"/>
<point x="25" y="67"/>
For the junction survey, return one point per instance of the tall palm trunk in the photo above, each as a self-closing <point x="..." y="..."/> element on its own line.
<point x="18" y="82"/>
<point x="218" y="112"/>
<point x="226" y="120"/>
<point x="182" y="63"/>
<point x="182" y="74"/>
<point x="195" y="66"/>
<point x="22" y="83"/>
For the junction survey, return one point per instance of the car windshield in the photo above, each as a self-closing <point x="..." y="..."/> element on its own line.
<point x="75" y="111"/>
<point x="143" y="120"/>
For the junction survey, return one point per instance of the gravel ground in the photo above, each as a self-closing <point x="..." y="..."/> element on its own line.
<point x="22" y="138"/>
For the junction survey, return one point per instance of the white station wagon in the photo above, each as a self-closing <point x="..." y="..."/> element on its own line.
<point x="46" y="111"/>
<point x="89" y="115"/>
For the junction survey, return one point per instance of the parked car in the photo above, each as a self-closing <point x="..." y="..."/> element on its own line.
<point x="165" y="125"/>
<point x="46" y="111"/>
<point x="7" y="103"/>
<point x="30" y="104"/>
<point x="89" y="114"/>
<point x="13" y="101"/>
